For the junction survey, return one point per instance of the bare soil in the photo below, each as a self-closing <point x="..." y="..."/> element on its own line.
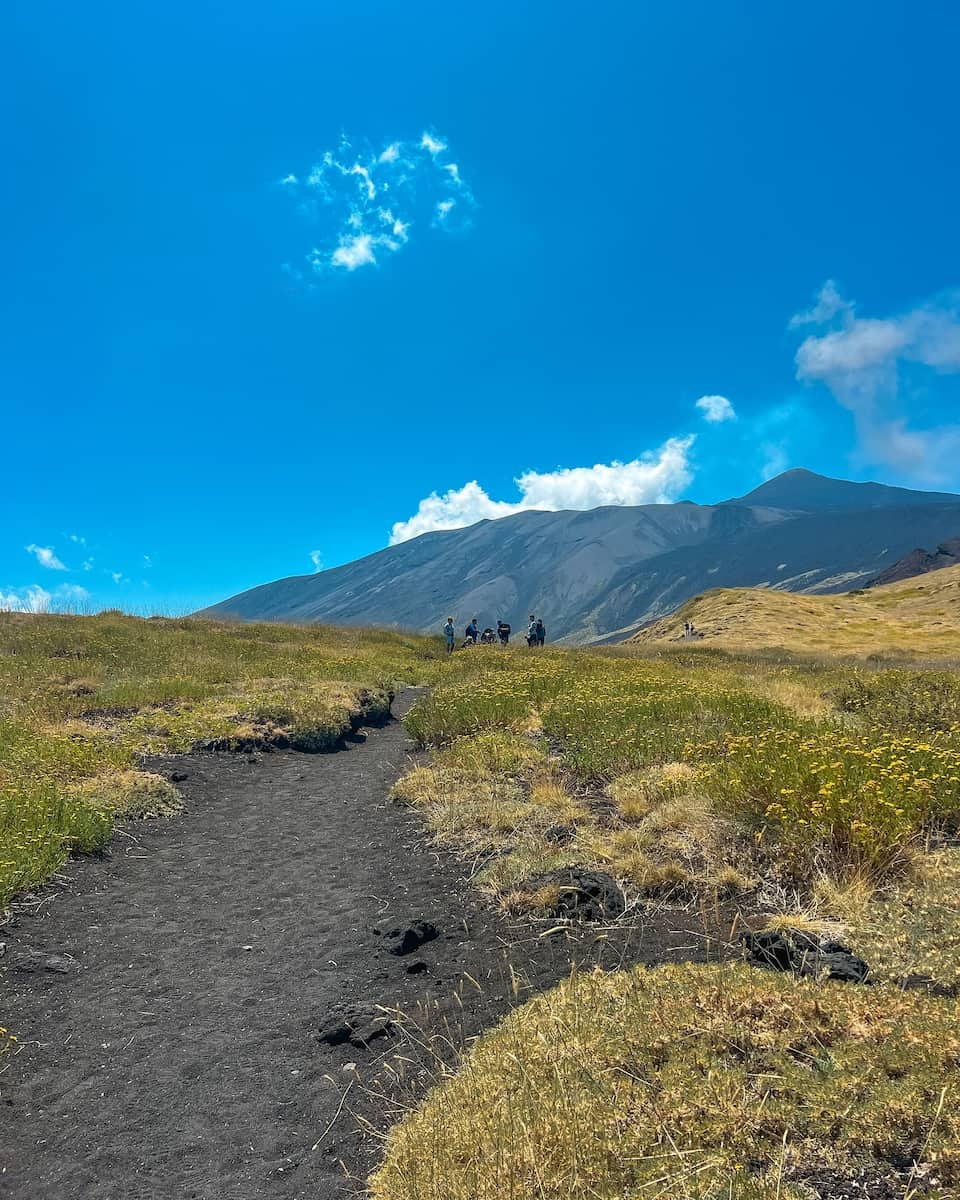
<point x="167" y="995"/>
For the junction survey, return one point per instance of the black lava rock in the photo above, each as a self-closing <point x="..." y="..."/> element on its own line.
<point x="584" y="895"/>
<point x="407" y="938"/>
<point x="359" y="1025"/>
<point x="804" y="954"/>
<point x="560" y="835"/>
<point x="928" y="984"/>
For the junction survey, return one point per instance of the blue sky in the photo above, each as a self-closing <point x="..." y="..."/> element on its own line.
<point x="223" y="352"/>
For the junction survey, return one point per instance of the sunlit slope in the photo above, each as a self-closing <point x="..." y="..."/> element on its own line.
<point x="917" y="616"/>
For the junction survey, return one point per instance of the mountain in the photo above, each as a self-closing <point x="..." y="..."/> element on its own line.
<point x="601" y="574"/>
<point x="906" y="618"/>
<point x="920" y="562"/>
<point x="803" y="491"/>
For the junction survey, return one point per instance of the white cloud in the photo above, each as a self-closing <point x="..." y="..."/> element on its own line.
<point x="354" y="252"/>
<point x="45" y="557"/>
<point x="651" y="479"/>
<point x="365" y="203"/>
<point x="433" y="145"/>
<point x="118" y="577"/>
<point x="828" y="304"/>
<point x="77" y="539"/>
<point x="316" y="557"/>
<point x="863" y="361"/>
<point x="35" y="599"/>
<point x="88" y="564"/>
<point x="716" y="409"/>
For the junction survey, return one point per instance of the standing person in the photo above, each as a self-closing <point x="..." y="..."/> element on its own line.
<point x="541" y="632"/>
<point x="503" y="632"/>
<point x="532" y="631"/>
<point x="473" y="631"/>
<point x="450" y="634"/>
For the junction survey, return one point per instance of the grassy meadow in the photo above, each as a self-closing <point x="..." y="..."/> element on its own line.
<point x="824" y="792"/>
<point x="821" y="790"/>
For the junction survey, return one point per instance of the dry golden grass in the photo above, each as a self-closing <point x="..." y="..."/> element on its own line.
<point x="914" y="618"/>
<point x="694" y="1083"/>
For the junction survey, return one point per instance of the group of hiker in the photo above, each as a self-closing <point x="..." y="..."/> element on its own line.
<point x="536" y="633"/>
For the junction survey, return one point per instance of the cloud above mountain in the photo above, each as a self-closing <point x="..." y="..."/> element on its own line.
<point x="716" y="409"/>
<point x="366" y="203"/>
<point x="653" y="478"/>
<point x="869" y="363"/>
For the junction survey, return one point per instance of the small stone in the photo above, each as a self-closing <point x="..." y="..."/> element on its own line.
<point x="407" y="938"/>
<point x="178" y="776"/>
<point x="419" y="967"/>
<point x="61" y="964"/>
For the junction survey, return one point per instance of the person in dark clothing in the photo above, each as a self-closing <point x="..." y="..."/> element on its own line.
<point x="541" y="632"/>
<point x="503" y="632"/>
<point x="472" y="632"/>
<point x="532" y="631"/>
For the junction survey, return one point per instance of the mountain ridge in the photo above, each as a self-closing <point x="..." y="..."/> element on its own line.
<point x="598" y="572"/>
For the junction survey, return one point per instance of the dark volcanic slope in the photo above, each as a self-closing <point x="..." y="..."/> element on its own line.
<point x="592" y="574"/>
<point x="920" y="562"/>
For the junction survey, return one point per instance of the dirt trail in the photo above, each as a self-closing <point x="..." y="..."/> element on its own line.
<point x="176" y="1058"/>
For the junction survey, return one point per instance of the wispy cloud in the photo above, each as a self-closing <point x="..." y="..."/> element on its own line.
<point x="655" y="477"/>
<point x="46" y="557"/>
<point x="77" y="539"/>
<point x="365" y="202"/>
<point x="316" y="557"/>
<point x="864" y="360"/>
<point x="716" y="409"/>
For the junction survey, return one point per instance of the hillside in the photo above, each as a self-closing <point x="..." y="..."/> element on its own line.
<point x="601" y="574"/>
<point x="914" y="616"/>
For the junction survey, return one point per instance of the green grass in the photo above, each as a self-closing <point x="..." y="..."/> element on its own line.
<point x="795" y="769"/>
<point x="83" y="699"/>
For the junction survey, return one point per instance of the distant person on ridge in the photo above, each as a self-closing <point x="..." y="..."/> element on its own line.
<point x="450" y="634"/>
<point x="532" y="631"/>
<point x="541" y="632"/>
<point x="503" y="632"/>
<point x="473" y="631"/>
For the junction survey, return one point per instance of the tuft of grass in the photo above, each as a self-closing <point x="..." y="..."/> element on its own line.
<point x="690" y="1082"/>
<point x="140" y="794"/>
